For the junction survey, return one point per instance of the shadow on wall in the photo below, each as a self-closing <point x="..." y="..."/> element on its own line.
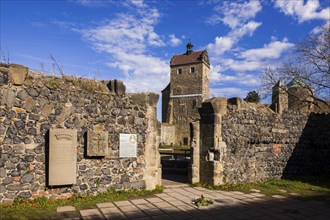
<point x="311" y="155"/>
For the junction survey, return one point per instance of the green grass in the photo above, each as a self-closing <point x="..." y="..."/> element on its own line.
<point x="43" y="208"/>
<point x="307" y="187"/>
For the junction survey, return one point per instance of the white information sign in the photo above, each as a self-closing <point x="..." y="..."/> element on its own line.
<point x="127" y="145"/>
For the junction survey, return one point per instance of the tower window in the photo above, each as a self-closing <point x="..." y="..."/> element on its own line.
<point x="192" y="69"/>
<point x="179" y="71"/>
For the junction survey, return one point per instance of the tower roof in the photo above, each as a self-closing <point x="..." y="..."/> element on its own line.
<point x="296" y="82"/>
<point x="193" y="57"/>
<point x="279" y="83"/>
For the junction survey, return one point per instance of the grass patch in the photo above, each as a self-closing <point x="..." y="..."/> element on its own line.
<point x="43" y="208"/>
<point x="306" y="187"/>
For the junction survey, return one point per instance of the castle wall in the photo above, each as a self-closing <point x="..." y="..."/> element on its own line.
<point x="256" y="145"/>
<point x="37" y="103"/>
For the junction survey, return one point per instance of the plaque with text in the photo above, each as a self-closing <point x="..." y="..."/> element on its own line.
<point x="97" y="143"/>
<point x="127" y="145"/>
<point x="62" y="156"/>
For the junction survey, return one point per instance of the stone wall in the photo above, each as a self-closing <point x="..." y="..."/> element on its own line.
<point x="256" y="144"/>
<point x="35" y="103"/>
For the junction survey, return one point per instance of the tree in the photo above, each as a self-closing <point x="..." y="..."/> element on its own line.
<point x="310" y="63"/>
<point x="252" y="96"/>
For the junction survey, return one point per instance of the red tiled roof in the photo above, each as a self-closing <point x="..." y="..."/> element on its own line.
<point x="194" y="57"/>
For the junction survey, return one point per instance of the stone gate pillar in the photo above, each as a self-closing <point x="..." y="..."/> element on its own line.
<point x="212" y="147"/>
<point x="194" y="167"/>
<point x="152" y="171"/>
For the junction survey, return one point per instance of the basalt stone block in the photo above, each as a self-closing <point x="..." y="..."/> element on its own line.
<point x="33" y="92"/>
<point x="116" y="87"/>
<point x="4" y="72"/>
<point x="22" y="95"/>
<point x="24" y="195"/>
<point x="27" y="178"/>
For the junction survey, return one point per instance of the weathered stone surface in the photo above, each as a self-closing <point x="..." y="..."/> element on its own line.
<point x="97" y="143"/>
<point x="3" y="76"/>
<point x="46" y="110"/>
<point x="17" y="187"/>
<point x="2" y="189"/>
<point x="135" y="185"/>
<point x="27" y="178"/>
<point x="29" y="104"/>
<point x="22" y="95"/>
<point x="9" y="97"/>
<point x="2" y="129"/>
<point x="24" y="195"/>
<point x="17" y="74"/>
<point x="33" y="109"/>
<point x="116" y="86"/>
<point x="2" y="172"/>
<point x="7" y="180"/>
<point x="32" y="92"/>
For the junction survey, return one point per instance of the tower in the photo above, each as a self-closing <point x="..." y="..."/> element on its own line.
<point x="279" y="97"/>
<point x="189" y="87"/>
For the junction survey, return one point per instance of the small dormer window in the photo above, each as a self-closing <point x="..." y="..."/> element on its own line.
<point x="192" y="69"/>
<point x="179" y="71"/>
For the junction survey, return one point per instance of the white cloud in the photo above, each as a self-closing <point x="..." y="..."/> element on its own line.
<point x="174" y="41"/>
<point x="303" y="12"/>
<point x="221" y="45"/>
<point x="215" y="73"/>
<point x="138" y="3"/>
<point x="90" y="3"/>
<point x="235" y="13"/>
<point x="272" y="50"/>
<point x="225" y="43"/>
<point x="128" y="38"/>
<point x="228" y="92"/>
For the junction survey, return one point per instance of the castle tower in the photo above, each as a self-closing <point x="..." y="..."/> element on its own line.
<point x="279" y="97"/>
<point x="299" y="96"/>
<point x="189" y="87"/>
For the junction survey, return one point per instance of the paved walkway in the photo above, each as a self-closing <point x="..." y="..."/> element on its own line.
<point x="176" y="203"/>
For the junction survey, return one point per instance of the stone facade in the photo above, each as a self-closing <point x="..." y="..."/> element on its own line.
<point x="188" y="88"/>
<point x="252" y="143"/>
<point x="296" y="96"/>
<point x="31" y="107"/>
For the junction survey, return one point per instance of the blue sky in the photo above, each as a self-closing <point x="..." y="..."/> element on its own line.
<point x="134" y="40"/>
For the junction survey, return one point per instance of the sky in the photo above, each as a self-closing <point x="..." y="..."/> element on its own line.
<point x="134" y="40"/>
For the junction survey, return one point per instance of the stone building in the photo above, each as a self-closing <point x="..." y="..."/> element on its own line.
<point x="188" y="88"/>
<point x="294" y="96"/>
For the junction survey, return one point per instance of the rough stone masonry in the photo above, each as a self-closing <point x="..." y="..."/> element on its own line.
<point x="31" y="104"/>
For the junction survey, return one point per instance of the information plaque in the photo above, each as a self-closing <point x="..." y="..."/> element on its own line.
<point x="62" y="157"/>
<point x="127" y="145"/>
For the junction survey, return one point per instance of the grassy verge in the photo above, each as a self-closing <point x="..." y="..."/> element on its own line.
<point x="307" y="187"/>
<point x="43" y="208"/>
